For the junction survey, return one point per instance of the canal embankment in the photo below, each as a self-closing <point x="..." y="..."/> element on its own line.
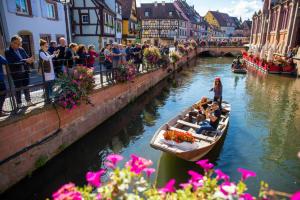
<point x="29" y="141"/>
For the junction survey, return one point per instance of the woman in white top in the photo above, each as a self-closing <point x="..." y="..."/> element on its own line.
<point x="47" y="67"/>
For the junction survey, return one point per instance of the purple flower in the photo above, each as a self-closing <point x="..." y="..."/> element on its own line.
<point x="94" y="178"/>
<point x="296" y="196"/>
<point x="221" y="175"/>
<point x="169" y="187"/>
<point x="205" y="164"/>
<point x="113" y="160"/>
<point x="246" y="196"/>
<point x="149" y="171"/>
<point x="246" y="173"/>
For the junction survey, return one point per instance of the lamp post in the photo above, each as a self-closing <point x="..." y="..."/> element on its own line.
<point x="66" y="4"/>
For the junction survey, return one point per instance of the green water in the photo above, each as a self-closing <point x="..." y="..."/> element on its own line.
<point x="263" y="134"/>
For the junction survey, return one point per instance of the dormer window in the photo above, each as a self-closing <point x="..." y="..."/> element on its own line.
<point x="146" y="14"/>
<point x="170" y="14"/>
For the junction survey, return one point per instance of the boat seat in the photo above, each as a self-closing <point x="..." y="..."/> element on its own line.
<point x="188" y="124"/>
<point x="201" y="137"/>
<point x="191" y="131"/>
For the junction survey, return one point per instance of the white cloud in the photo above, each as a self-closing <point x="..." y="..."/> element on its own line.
<point x="242" y="8"/>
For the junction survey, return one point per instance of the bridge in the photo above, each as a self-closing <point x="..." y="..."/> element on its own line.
<point x="220" y="51"/>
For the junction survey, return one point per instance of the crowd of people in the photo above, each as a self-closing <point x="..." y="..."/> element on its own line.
<point x="55" y="59"/>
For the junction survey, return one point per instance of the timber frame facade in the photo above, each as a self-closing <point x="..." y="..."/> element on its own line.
<point x="92" y="22"/>
<point x="162" y="23"/>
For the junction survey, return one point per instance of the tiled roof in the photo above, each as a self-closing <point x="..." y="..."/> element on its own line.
<point x="189" y="11"/>
<point x="159" y="12"/>
<point x="223" y="18"/>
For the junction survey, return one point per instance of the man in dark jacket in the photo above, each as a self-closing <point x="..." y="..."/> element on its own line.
<point x="18" y="62"/>
<point x="2" y="85"/>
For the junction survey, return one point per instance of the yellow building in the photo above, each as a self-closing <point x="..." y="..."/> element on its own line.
<point x="130" y="31"/>
<point x="211" y="19"/>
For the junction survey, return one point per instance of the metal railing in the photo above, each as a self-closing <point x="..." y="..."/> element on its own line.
<point x="27" y="88"/>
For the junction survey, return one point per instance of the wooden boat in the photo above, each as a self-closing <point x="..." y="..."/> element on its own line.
<point x="203" y="143"/>
<point x="239" y="70"/>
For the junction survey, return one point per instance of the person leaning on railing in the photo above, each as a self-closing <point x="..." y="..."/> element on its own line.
<point x="71" y="57"/>
<point x="46" y="64"/>
<point x="18" y="62"/>
<point x="3" y="61"/>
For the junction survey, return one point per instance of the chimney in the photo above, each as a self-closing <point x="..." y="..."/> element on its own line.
<point x="155" y="3"/>
<point x="163" y="3"/>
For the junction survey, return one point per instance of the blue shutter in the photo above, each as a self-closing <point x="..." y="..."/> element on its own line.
<point x="34" y="7"/>
<point x="44" y="8"/>
<point x="60" y="10"/>
<point x="11" y="6"/>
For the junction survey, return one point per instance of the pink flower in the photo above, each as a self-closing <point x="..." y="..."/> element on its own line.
<point x="184" y="185"/>
<point x="196" y="179"/>
<point x="110" y="165"/>
<point x="94" y="178"/>
<point x="114" y="158"/>
<point x="228" y="188"/>
<point x="221" y="175"/>
<point x="296" y="196"/>
<point x="98" y="197"/>
<point x="149" y="171"/>
<point x="246" y="196"/>
<point x="246" y="173"/>
<point x="137" y="164"/>
<point x="169" y="187"/>
<point x="195" y="176"/>
<point x="205" y="164"/>
<point x="67" y="191"/>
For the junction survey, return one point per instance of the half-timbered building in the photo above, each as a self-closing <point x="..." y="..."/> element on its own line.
<point x="162" y="23"/>
<point x="93" y="22"/>
<point x="118" y="24"/>
<point x="130" y="21"/>
<point x="194" y="20"/>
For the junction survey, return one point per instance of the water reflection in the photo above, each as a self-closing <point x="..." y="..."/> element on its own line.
<point x="114" y="135"/>
<point x="167" y="171"/>
<point x="263" y="134"/>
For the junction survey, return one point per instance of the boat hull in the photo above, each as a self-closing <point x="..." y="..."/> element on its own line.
<point x="189" y="155"/>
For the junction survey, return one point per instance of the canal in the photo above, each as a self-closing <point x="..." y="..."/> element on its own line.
<point x="263" y="134"/>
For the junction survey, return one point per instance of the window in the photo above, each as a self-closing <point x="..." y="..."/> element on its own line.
<point x="22" y="7"/>
<point x="46" y="37"/>
<point x="170" y="14"/>
<point x="146" y="14"/>
<point x="85" y="19"/>
<point x="51" y="11"/>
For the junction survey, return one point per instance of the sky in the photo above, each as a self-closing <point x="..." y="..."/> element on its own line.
<point x="235" y="8"/>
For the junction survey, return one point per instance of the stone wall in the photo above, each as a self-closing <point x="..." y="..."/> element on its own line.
<point x="39" y="136"/>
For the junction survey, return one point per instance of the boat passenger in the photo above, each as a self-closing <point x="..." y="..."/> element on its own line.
<point x="218" y="89"/>
<point x="201" y="107"/>
<point x="214" y="116"/>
